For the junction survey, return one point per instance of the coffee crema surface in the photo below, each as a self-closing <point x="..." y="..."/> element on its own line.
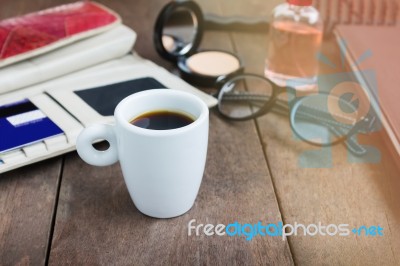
<point x="162" y="120"/>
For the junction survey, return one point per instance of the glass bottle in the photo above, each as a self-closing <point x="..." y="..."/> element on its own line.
<point x="295" y="38"/>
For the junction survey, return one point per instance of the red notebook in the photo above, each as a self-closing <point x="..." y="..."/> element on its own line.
<point x="384" y="45"/>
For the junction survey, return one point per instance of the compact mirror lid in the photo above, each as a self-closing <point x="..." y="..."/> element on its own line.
<point x="178" y="30"/>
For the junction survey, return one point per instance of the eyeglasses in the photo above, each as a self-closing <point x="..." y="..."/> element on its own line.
<point x="320" y="119"/>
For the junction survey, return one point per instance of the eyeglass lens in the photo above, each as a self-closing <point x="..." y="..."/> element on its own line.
<point x="244" y="96"/>
<point x="323" y="119"/>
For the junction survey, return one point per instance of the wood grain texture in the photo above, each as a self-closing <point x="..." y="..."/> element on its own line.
<point x="97" y="223"/>
<point x="27" y="200"/>
<point x="339" y="192"/>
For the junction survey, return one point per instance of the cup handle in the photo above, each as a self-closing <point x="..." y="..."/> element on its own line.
<point x="84" y="145"/>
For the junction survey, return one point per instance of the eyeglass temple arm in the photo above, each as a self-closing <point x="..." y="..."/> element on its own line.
<point x="351" y="141"/>
<point x="354" y="147"/>
<point x="316" y="114"/>
<point x="281" y="107"/>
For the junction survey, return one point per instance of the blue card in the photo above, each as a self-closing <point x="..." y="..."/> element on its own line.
<point x="22" y="123"/>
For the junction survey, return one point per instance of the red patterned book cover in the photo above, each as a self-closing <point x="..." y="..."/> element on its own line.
<point x="36" y="33"/>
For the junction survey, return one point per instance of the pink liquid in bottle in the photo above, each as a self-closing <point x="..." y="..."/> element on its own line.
<point x="293" y="46"/>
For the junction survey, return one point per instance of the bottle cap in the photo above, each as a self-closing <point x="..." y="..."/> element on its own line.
<point x="300" y="2"/>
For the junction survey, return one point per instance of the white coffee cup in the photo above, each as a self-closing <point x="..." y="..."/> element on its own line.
<point x="162" y="169"/>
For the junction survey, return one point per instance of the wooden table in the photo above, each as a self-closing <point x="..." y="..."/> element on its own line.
<point x="63" y="211"/>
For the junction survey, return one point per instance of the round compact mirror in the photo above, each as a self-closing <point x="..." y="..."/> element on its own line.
<point x="177" y="36"/>
<point x="178" y="30"/>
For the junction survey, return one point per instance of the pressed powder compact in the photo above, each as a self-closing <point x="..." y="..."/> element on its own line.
<point x="177" y="36"/>
<point x="204" y="68"/>
<point x="223" y="63"/>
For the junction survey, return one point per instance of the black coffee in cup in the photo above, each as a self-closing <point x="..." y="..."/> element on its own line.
<point x="162" y="120"/>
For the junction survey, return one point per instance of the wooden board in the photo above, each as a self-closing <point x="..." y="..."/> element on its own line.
<point x="27" y="202"/>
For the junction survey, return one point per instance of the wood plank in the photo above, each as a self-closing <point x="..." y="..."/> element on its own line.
<point x="250" y="8"/>
<point x="27" y="200"/>
<point x="353" y="193"/>
<point x="97" y="222"/>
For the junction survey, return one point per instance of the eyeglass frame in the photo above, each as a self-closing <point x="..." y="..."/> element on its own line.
<point x="363" y="125"/>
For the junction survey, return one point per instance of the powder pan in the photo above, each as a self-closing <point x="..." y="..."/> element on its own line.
<point x="205" y="67"/>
